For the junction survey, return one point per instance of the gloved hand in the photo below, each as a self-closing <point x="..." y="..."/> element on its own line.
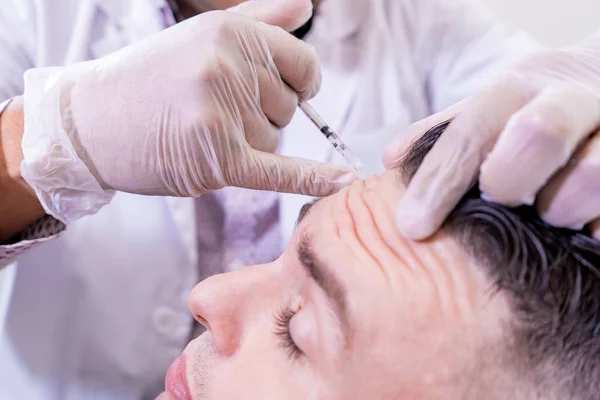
<point x="194" y="108"/>
<point x="529" y="137"/>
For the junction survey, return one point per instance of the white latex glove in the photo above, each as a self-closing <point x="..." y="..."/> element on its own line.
<point x="530" y="137"/>
<point x="191" y="109"/>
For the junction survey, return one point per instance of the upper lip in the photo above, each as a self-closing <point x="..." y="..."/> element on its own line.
<point x="176" y="381"/>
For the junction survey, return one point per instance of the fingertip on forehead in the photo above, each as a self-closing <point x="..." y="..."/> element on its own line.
<point x="393" y="186"/>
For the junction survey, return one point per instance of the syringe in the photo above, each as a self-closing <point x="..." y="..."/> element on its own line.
<point x="337" y="143"/>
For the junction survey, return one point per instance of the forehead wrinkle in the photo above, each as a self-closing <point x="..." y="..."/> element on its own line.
<point x="414" y="263"/>
<point x="459" y="274"/>
<point x="404" y="258"/>
<point x="441" y="265"/>
<point x="410" y="265"/>
<point x="369" y="234"/>
<point x="439" y="260"/>
<point x="346" y="228"/>
<point x="384" y="217"/>
<point x="382" y="205"/>
<point x="438" y="277"/>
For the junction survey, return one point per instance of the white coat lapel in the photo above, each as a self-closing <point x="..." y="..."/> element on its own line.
<point x="79" y="49"/>
<point x="126" y="22"/>
<point x="183" y="214"/>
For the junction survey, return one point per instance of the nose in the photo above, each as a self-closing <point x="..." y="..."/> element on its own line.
<point x="227" y="304"/>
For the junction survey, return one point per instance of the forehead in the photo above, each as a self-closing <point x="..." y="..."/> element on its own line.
<point x="346" y="237"/>
<point x="397" y="289"/>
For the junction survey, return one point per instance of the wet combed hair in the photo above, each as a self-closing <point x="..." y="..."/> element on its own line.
<point x="551" y="277"/>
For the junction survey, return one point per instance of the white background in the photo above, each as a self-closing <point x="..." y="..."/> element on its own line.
<point x="554" y="22"/>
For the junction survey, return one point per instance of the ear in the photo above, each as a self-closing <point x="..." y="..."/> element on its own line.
<point x="286" y="14"/>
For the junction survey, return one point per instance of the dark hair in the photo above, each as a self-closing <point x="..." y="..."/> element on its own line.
<point x="552" y="279"/>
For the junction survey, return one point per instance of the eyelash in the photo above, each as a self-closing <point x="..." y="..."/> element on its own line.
<point x="282" y="331"/>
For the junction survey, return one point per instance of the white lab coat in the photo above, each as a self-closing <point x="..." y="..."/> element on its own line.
<point x="100" y="312"/>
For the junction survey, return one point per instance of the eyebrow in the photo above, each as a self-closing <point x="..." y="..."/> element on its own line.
<point x="336" y="292"/>
<point x="305" y="209"/>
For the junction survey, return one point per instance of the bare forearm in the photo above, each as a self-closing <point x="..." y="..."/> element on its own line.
<point x="19" y="205"/>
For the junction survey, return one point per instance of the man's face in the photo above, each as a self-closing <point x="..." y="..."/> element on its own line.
<point x="351" y="310"/>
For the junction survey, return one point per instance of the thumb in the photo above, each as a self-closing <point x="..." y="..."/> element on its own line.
<point x="287" y="14"/>
<point x="399" y="146"/>
<point x="273" y="172"/>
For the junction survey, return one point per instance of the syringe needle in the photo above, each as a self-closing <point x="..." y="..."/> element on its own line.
<point x="334" y="139"/>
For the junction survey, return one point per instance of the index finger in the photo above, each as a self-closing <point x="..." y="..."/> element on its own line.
<point x="277" y="173"/>
<point x="295" y="60"/>
<point x="397" y="149"/>
<point x="452" y="166"/>
<point x="286" y="14"/>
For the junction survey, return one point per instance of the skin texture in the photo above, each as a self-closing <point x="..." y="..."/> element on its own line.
<point x="189" y="8"/>
<point x="419" y="313"/>
<point x="15" y="194"/>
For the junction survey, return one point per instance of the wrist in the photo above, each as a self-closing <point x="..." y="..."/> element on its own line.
<point x="63" y="183"/>
<point x="19" y="204"/>
<point x="11" y="134"/>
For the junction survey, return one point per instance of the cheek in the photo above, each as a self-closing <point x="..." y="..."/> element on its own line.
<point x="404" y="335"/>
<point x="261" y="371"/>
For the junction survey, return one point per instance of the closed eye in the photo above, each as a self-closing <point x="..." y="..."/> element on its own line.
<point x="282" y="331"/>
